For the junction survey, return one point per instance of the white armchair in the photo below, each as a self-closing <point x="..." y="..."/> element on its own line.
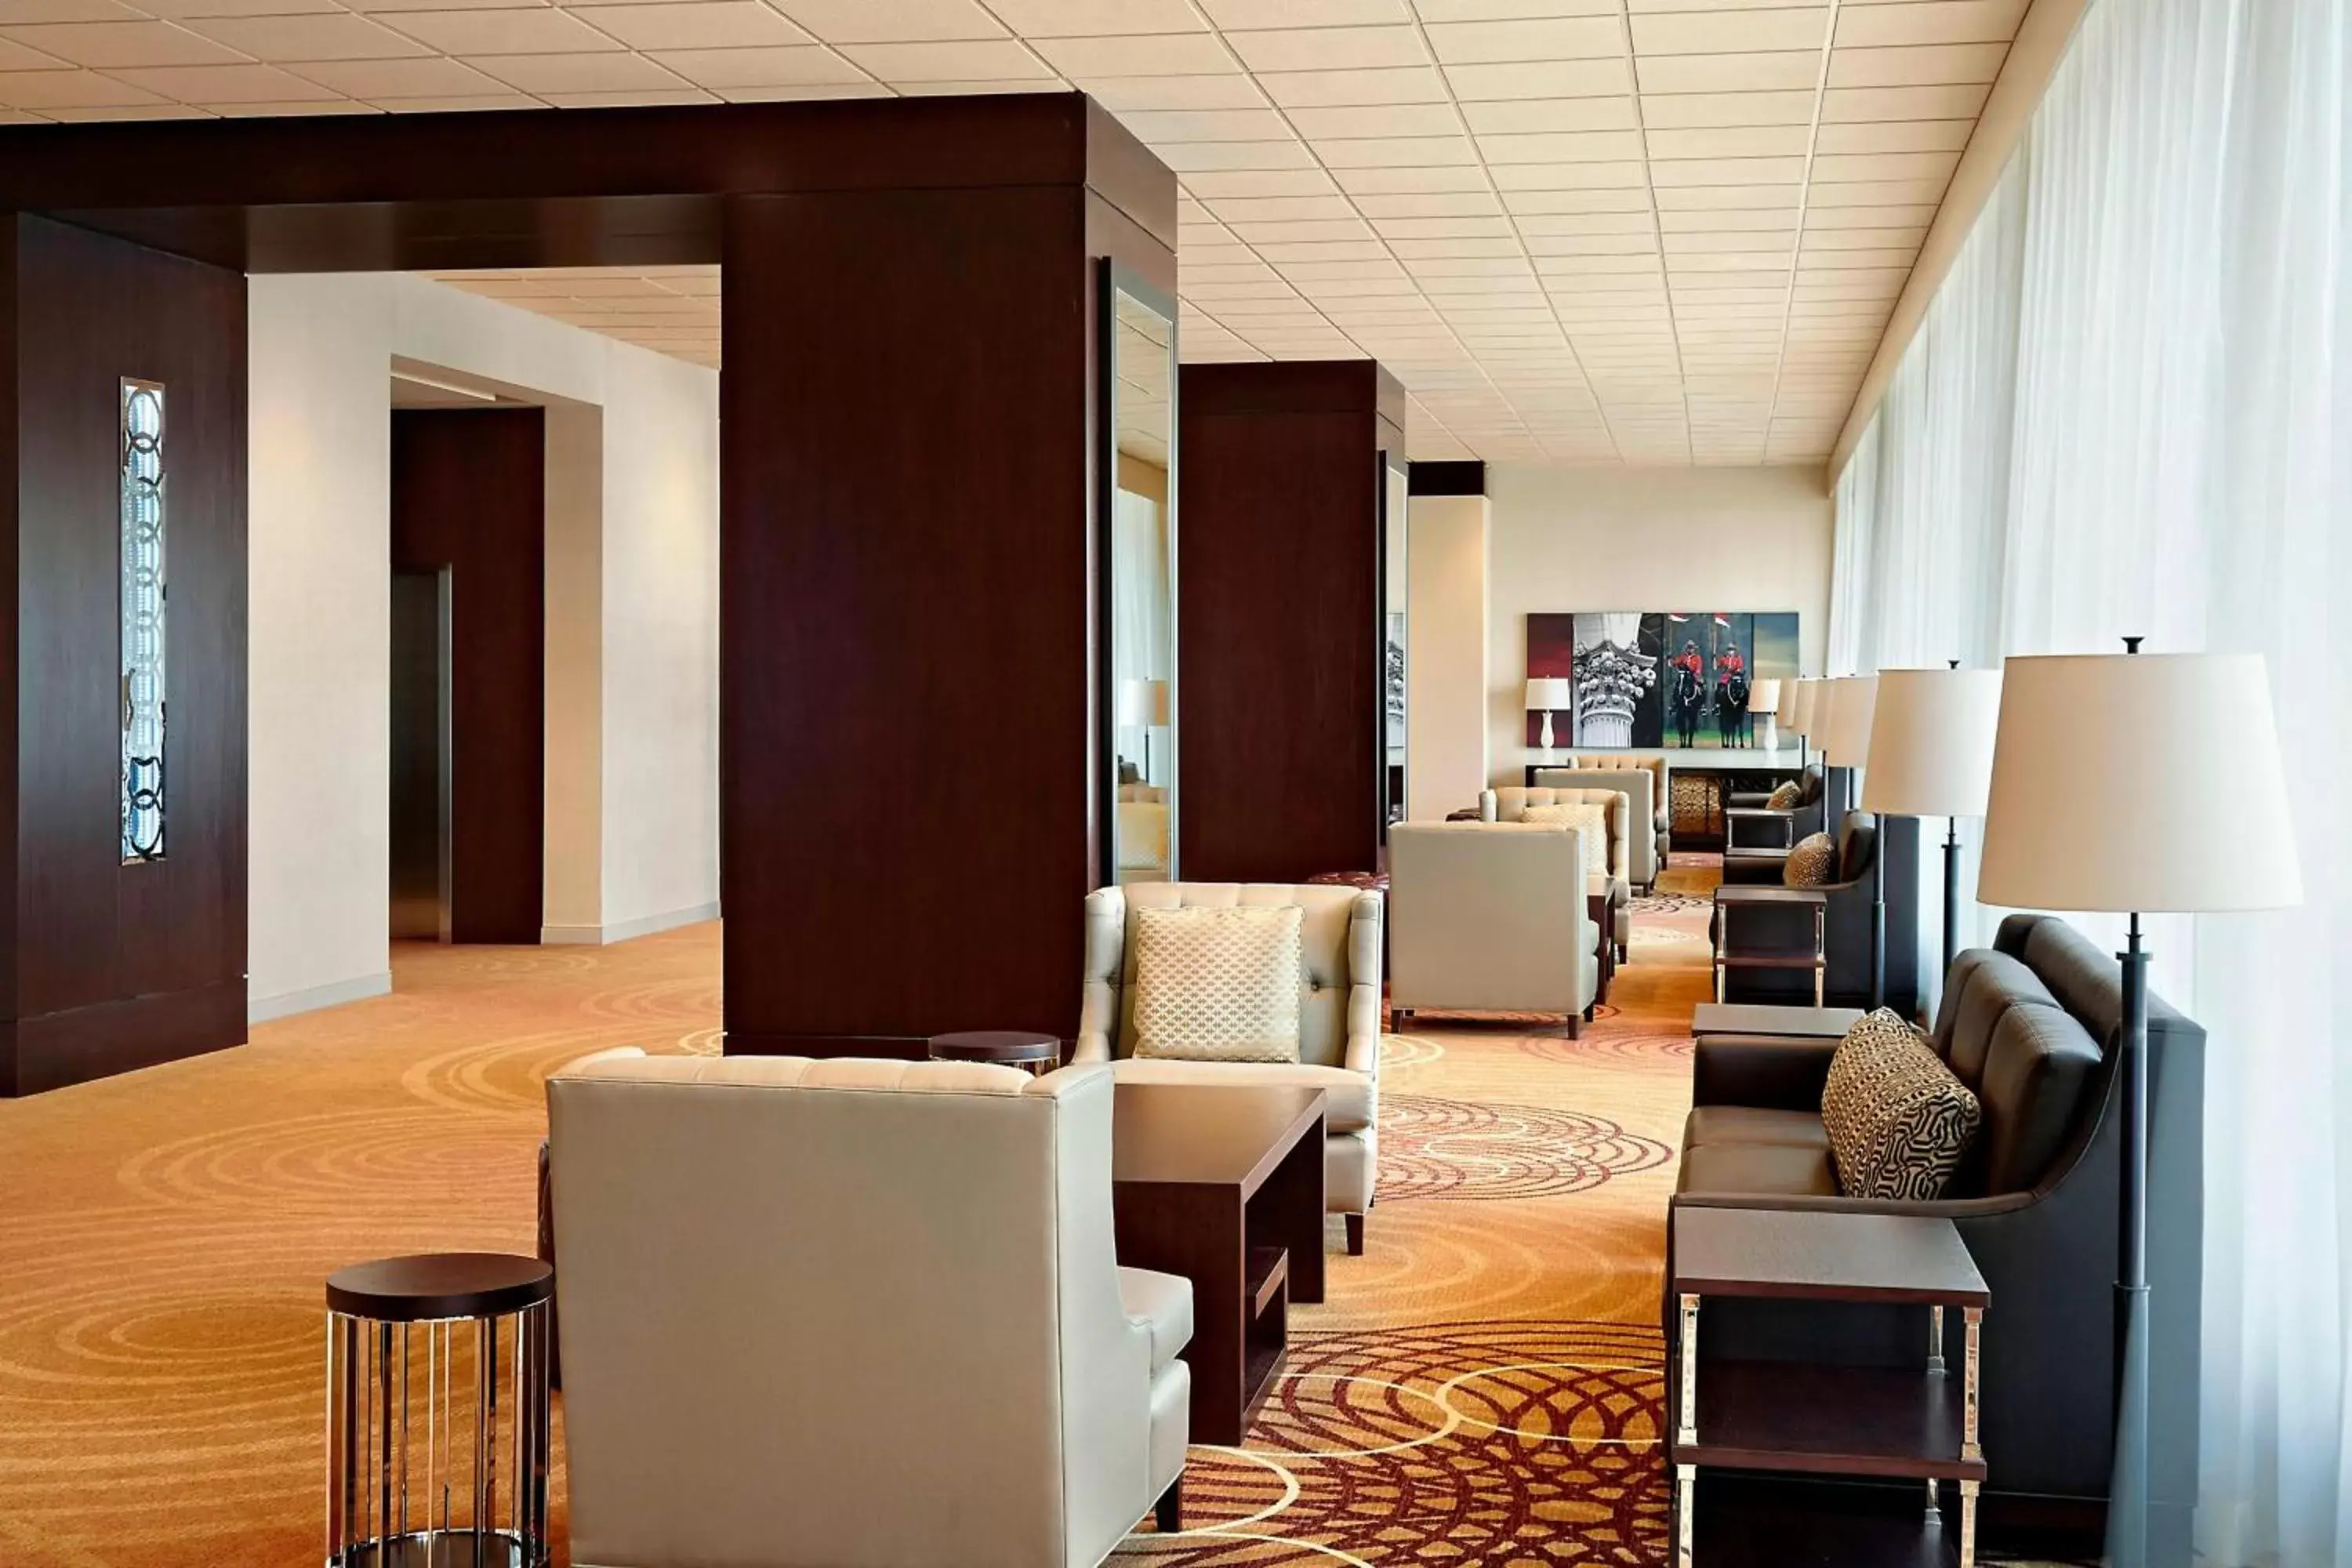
<point x="1491" y="917"/>
<point x="861" y="1314"/>
<point x="1338" y="1016"/>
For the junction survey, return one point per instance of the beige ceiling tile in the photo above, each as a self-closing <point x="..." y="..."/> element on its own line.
<point x="1570" y="177"/>
<point x="1435" y="11"/>
<point x="540" y="30"/>
<point x="1204" y="157"/>
<point x="892" y="21"/>
<point x="1157" y="53"/>
<point x="1336" y="88"/>
<point x="47" y="89"/>
<point x="1438" y="205"/>
<point x="338" y="37"/>
<point x="17" y="57"/>
<point x="1563" y="147"/>
<point x="1899" y="258"/>
<point x="1749" y="142"/>
<point x="375" y="6"/>
<point x="1877" y="193"/>
<point x="1266" y="237"/>
<point x="1671" y="172"/>
<point x="696" y="24"/>
<point x="1330" y="48"/>
<point x="792" y="65"/>
<point x="1926" y="65"/>
<point x="1705" y="198"/>
<point x="1721" y="219"/>
<point x="1239" y="210"/>
<point x="1723" y="32"/>
<point x="191" y="10"/>
<point x="1213" y="185"/>
<point x="1916" y="215"/>
<point x="1095" y="18"/>
<point x="227" y="84"/>
<point x="1897" y="136"/>
<point x="18" y="13"/>
<point x="805" y="92"/>
<point x="145" y="112"/>
<point x="1524" y="116"/>
<point x="1513" y="43"/>
<point x="1258" y="14"/>
<point x="1782" y="71"/>
<point x="1641" y="222"/>
<point x="998" y="60"/>
<point x="1158" y="126"/>
<point x="1378" y="119"/>
<point x="460" y="103"/>
<point x="108" y="45"/>
<point x="1691" y="111"/>
<point x="1422" y="249"/>
<point x="646" y="97"/>
<point x="548" y="74"/>
<point x="1834" y="169"/>
<point x="1442" y="177"/>
<point x="1635" y="199"/>
<point x="1931" y="22"/>
<point x="1629" y="243"/>
<point x="1397" y="152"/>
<point x="1123" y="94"/>
<point x="376" y="81"/>
<point x="1948" y="101"/>
<point x="1543" y="78"/>
<point x="1686" y="242"/>
<point x="1489" y="225"/>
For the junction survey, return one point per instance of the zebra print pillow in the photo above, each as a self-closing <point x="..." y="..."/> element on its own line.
<point x="1899" y="1121"/>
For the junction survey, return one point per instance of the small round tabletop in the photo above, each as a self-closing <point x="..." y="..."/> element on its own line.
<point x="436" y="1285"/>
<point x="1008" y="1048"/>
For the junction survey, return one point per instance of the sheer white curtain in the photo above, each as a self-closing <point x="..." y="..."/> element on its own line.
<point x="2129" y="410"/>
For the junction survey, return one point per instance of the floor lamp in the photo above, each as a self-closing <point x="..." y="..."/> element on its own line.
<point x="1931" y="755"/>
<point x="2100" y="800"/>
<point x="1852" y="706"/>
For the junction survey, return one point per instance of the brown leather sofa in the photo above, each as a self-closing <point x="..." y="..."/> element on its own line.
<point x="2031" y="1024"/>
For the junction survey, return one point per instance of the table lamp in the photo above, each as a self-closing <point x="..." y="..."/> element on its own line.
<point x="1931" y="755"/>
<point x="1546" y="693"/>
<point x="1764" y="698"/>
<point x="2102" y="799"/>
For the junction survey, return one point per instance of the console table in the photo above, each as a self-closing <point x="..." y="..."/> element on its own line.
<point x="1799" y="1418"/>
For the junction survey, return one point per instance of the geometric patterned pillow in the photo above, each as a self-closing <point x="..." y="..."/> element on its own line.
<point x="1812" y="863"/>
<point x="1593" y="819"/>
<point x="1219" y="985"/>
<point x="1898" y="1123"/>
<point x="1784" y="797"/>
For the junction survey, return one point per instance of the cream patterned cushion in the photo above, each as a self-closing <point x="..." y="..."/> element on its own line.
<point x="1784" y="797"/>
<point x="1898" y="1123"/>
<point x="1217" y="986"/>
<point x="1811" y="863"/>
<point x="1593" y="819"/>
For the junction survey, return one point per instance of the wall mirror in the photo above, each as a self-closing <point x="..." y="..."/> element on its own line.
<point x="1393" y="728"/>
<point x="1138" y="468"/>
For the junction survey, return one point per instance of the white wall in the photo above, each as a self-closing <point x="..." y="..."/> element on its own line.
<point x="1446" y="654"/>
<point x="319" y="518"/>
<point x="1645" y="539"/>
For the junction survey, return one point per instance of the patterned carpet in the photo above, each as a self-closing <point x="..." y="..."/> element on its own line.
<point x="1483" y="1385"/>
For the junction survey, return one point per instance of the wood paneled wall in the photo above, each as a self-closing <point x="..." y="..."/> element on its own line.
<point x="105" y="966"/>
<point x="468" y="493"/>
<point x="1279" y="608"/>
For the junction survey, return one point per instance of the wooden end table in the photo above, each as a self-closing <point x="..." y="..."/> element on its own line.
<point x="1223" y="1186"/>
<point x="1039" y="1052"/>
<point x="1738" y="896"/>
<point x="1915" y="1423"/>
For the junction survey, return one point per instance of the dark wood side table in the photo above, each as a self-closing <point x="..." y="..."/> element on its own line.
<point x="1802" y="1418"/>
<point x="1727" y="957"/>
<point x="1223" y="1186"/>
<point x="1007" y="1047"/>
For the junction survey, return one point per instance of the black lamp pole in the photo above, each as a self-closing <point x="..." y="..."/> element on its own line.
<point x="2128" y="1501"/>
<point x="1951" y="882"/>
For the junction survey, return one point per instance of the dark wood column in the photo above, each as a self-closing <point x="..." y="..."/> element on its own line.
<point x="1280" y="616"/>
<point x="469" y="494"/>
<point x="909" y="736"/>
<point x="104" y="965"/>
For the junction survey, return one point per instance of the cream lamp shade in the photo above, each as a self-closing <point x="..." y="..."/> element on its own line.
<point x="1809" y="706"/>
<point x="1142" y="702"/>
<point x="1931" y="742"/>
<point x="2102" y="794"/>
<point x="1842" y="726"/>
<point x="1547" y="692"/>
<point x="1764" y="696"/>
<point x="1784" y="706"/>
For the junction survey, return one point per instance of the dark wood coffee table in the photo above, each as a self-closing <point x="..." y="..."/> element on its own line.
<point x="1223" y="1186"/>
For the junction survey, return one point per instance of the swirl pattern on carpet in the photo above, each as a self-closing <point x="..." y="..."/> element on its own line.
<point x="1451" y="1149"/>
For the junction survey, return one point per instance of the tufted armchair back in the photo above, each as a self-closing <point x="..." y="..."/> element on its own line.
<point x="1606" y="761"/>
<point x="1512" y="801"/>
<point x="1340" y="953"/>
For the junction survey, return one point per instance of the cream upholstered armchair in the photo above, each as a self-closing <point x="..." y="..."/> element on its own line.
<point x="1616" y="766"/>
<point x="1491" y="918"/>
<point x="861" y="1314"/>
<point x="1338" y="1016"/>
<point x="1646" y="843"/>
<point x="1612" y="875"/>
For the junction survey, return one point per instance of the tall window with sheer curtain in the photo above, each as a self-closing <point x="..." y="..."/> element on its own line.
<point x="2129" y="410"/>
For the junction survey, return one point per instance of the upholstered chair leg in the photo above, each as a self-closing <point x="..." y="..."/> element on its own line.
<point x="1168" y="1514"/>
<point x="1399" y="1017"/>
<point x="1355" y="1235"/>
<point x="1576" y="1026"/>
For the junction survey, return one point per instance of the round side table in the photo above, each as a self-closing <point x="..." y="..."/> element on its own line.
<point x="1040" y="1054"/>
<point x="428" y="1471"/>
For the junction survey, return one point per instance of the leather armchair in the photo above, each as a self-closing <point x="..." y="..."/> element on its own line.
<point x="861" y="1314"/>
<point x="1846" y="935"/>
<point x="1338" y="1016"/>
<point x="1491" y="917"/>
<point x="1758" y="837"/>
<point x="1645" y="839"/>
<point x="1615" y="880"/>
